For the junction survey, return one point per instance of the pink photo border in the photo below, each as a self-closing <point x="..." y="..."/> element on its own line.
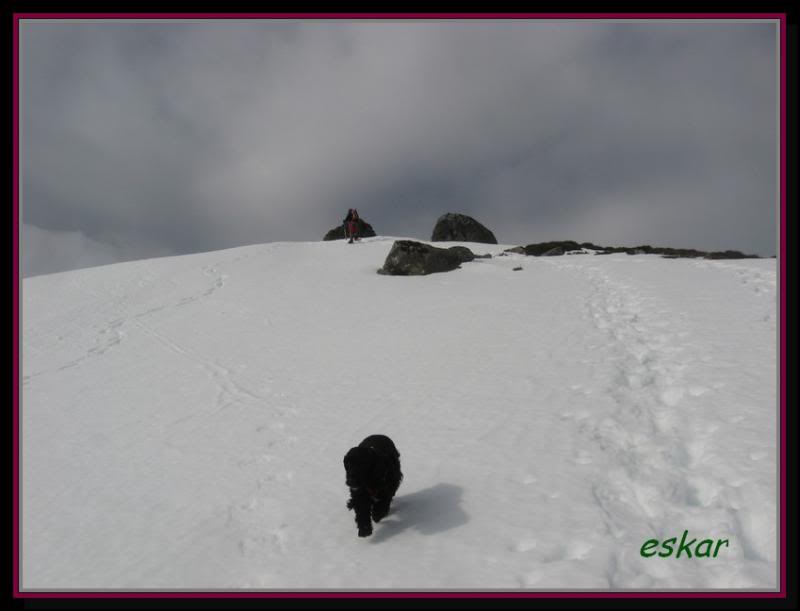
<point x="781" y="593"/>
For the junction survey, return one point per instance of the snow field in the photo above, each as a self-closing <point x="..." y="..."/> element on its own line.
<point x="184" y="421"/>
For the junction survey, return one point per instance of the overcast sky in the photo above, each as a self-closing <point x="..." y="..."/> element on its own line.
<point x="148" y="139"/>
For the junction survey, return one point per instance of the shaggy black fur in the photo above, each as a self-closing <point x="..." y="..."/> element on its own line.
<point x="373" y="475"/>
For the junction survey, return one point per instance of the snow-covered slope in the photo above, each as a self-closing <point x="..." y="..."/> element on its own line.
<point x="184" y="421"/>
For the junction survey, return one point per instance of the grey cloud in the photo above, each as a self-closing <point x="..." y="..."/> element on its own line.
<point x="195" y="136"/>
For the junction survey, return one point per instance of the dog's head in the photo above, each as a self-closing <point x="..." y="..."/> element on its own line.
<point x="363" y="467"/>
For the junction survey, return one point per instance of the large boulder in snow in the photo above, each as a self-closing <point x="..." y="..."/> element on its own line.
<point x="365" y="230"/>
<point x="452" y="227"/>
<point x="409" y="258"/>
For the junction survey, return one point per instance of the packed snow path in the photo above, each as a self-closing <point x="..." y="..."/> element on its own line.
<point x="184" y="421"/>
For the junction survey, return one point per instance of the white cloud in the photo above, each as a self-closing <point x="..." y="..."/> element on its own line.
<point x="46" y="252"/>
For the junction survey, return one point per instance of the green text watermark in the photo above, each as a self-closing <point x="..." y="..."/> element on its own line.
<point x="706" y="548"/>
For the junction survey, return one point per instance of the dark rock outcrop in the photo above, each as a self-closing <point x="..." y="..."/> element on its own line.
<point x="409" y="258"/>
<point x="680" y="253"/>
<point x="453" y="227"/>
<point x="551" y="248"/>
<point x="560" y="248"/>
<point x="365" y="230"/>
<point x="730" y="254"/>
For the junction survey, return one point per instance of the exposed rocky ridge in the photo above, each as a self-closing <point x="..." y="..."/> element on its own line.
<point x="566" y="246"/>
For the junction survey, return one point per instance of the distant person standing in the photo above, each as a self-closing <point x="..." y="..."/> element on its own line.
<point x="351" y="225"/>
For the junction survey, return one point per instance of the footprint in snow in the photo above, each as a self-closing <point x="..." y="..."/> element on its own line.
<point x="672" y="396"/>
<point x="280" y="537"/>
<point x="583" y="458"/>
<point x="695" y="449"/>
<point x="524" y="546"/>
<point x="577" y="550"/>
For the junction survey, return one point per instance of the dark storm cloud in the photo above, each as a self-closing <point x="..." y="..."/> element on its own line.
<point x="157" y="138"/>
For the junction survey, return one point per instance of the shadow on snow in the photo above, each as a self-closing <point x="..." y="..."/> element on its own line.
<point x="430" y="511"/>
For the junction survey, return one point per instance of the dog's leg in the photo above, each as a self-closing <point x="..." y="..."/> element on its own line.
<point x="361" y="504"/>
<point x="380" y="509"/>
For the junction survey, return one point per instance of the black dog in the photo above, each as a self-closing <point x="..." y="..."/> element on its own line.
<point x="373" y="476"/>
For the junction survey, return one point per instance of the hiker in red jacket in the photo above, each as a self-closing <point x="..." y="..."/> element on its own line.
<point x="351" y="225"/>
